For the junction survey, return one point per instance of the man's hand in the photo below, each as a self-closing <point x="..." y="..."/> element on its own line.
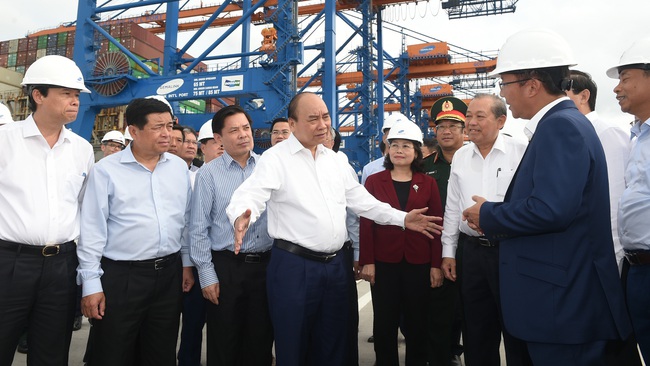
<point x="417" y="221"/>
<point x="368" y="273"/>
<point x="93" y="305"/>
<point x="448" y="268"/>
<point x="212" y="293"/>
<point x="436" y="277"/>
<point x="357" y="270"/>
<point x="241" y="226"/>
<point x="473" y="214"/>
<point x="188" y="279"/>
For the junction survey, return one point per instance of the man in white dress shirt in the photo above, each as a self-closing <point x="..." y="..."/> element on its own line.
<point x="306" y="190"/>
<point x="484" y="167"/>
<point x="43" y="169"/>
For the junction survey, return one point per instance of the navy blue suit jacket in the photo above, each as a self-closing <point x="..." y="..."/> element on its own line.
<point x="559" y="281"/>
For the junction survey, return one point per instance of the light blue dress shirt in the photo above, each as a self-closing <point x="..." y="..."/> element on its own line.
<point x="131" y="213"/>
<point x="210" y="228"/>
<point x="634" y="207"/>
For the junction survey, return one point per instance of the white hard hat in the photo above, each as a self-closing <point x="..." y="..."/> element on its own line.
<point x="638" y="53"/>
<point x="391" y="119"/>
<point x="5" y="115"/>
<point x="55" y="70"/>
<point x="533" y="49"/>
<point x="115" y="136"/>
<point x="127" y="134"/>
<point x="206" y="131"/>
<point x="162" y="99"/>
<point x="407" y="130"/>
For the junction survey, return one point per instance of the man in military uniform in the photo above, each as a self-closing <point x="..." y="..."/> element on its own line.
<point x="448" y="115"/>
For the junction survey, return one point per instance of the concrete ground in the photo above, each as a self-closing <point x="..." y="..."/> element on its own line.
<point x="366" y="352"/>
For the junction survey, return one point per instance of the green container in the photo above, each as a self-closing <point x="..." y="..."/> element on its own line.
<point x="42" y="42"/>
<point x="112" y="47"/>
<point x="11" y="60"/>
<point x="63" y="39"/>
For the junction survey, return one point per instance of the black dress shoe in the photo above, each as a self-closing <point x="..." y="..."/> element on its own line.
<point x="76" y="325"/>
<point x="371" y="339"/>
<point x="22" y="344"/>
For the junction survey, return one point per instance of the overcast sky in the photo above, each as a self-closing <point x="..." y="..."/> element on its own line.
<point x="597" y="30"/>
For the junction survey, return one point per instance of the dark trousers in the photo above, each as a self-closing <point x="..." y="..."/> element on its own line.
<point x="309" y="306"/>
<point x="623" y="352"/>
<point x="401" y="289"/>
<point x="585" y="354"/>
<point x="239" y="328"/>
<point x="140" y="325"/>
<point x="353" y="328"/>
<point x="193" y="319"/>
<point x="638" y="303"/>
<point x="483" y="325"/>
<point x="37" y="293"/>
<point x="444" y="324"/>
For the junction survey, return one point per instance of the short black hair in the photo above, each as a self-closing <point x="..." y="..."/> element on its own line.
<point x="430" y="143"/>
<point x="416" y="164"/>
<point x="177" y="127"/>
<point x="219" y="118"/>
<point x="581" y="81"/>
<point x="29" y="90"/>
<point x="278" y="120"/>
<point x="337" y="140"/>
<point x="138" y="109"/>
<point x="553" y="79"/>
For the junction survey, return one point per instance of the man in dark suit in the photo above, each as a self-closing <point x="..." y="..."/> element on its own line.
<point x="560" y="291"/>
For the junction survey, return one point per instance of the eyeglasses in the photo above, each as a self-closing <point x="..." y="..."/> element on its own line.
<point x="502" y="84"/>
<point x="451" y="128"/>
<point x="397" y="147"/>
<point x="283" y="132"/>
<point x="114" y="145"/>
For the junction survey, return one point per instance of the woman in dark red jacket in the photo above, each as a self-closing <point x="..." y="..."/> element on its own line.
<point x="401" y="264"/>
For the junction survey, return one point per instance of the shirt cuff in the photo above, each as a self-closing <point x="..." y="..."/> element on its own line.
<point x="91" y="286"/>
<point x="356" y="254"/>
<point x="207" y="277"/>
<point x="187" y="262"/>
<point x="449" y="251"/>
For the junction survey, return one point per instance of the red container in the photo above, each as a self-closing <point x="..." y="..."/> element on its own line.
<point x="21" y="59"/>
<point x="3" y="60"/>
<point x="4" y="47"/>
<point x="22" y="45"/>
<point x="32" y="43"/>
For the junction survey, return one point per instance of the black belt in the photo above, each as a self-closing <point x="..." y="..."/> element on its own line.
<point x="245" y="257"/>
<point x="480" y="240"/>
<point x="41" y="250"/>
<point x="638" y="258"/>
<point x="155" y="263"/>
<point x="304" y="252"/>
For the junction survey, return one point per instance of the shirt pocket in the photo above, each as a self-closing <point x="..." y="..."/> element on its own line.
<point x="73" y="185"/>
<point x="503" y="181"/>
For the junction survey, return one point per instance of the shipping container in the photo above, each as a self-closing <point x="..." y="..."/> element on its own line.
<point x="40" y="53"/>
<point x="32" y="43"/>
<point x="31" y="57"/>
<point x="11" y="60"/>
<point x="69" y="51"/>
<point x="22" y="45"/>
<point x="13" y="46"/>
<point x="20" y="69"/>
<point x="71" y="36"/>
<point x="12" y="68"/>
<point x="50" y="51"/>
<point x="3" y="60"/>
<point x="52" y="39"/>
<point x="42" y="42"/>
<point x="62" y="50"/>
<point x="4" y="47"/>
<point x="21" y="59"/>
<point x="62" y="39"/>
<point x="112" y="47"/>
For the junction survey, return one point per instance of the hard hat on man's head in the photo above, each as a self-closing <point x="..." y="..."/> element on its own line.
<point x="205" y="132"/>
<point x="406" y="130"/>
<point x="5" y="115"/>
<point x="533" y="49"/>
<point x="448" y="109"/>
<point x="56" y="71"/>
<point x="114" y="136"/>
<point x="127" y="134"/>
<point x="391" y="119"/>
<point x="635" y="57"/>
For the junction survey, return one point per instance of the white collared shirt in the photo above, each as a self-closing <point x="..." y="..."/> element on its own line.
<point x="41" y="187"/>
<point x="616" y="144"/>
<point x="470" y="175"/>
<point x="306" y="197"/>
